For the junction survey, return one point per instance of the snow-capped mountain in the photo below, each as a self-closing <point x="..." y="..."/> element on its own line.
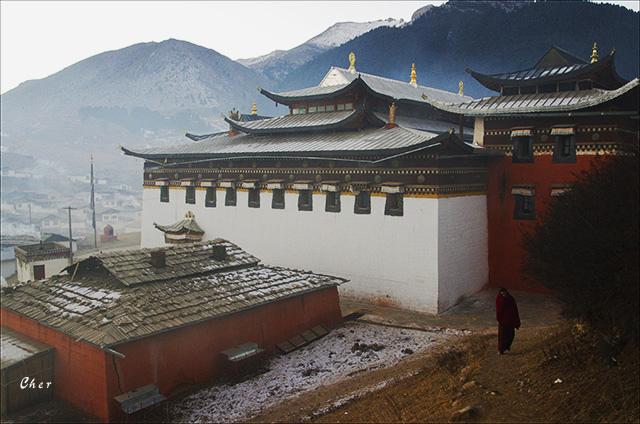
<point x="144" y="93"/>
<point x="277" y="64"/>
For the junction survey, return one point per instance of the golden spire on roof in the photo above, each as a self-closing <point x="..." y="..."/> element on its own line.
<point x="352" y="62"/>
<point x="461" y="88"/>
<point x="413" y="75"/>
<point x="254" y="109"/>
<point x="594" y="52"/>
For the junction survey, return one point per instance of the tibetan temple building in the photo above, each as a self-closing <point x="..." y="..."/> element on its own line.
<point x="548" y="122"/>
<point x="418" y="196"/>
<point x="361" y="178"/>
<point x="122" y="330"/>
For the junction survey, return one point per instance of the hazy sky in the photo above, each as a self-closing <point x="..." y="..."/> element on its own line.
<point x="41" y="38"/>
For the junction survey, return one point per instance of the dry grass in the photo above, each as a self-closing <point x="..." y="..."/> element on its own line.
<point x="517" y="387"/>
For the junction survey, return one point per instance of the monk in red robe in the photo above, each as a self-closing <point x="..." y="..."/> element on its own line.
<point x="508" y="319"/>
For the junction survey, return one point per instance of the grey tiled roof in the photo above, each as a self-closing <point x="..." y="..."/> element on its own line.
<point x="395" y="89"/>
<point x="41" y="249"/>
<point x="538" y="103"/>
<point x="315" y="121"/>
<point x="97" y="308"/>
<point x="535" y="73"/>
<point x="131" y="267"/>
<point x="371" y="139"/>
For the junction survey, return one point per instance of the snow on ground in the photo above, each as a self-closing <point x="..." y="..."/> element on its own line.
<point x="335" y="357"/>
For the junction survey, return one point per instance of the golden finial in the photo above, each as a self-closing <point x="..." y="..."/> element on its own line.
<point x="594" y="52"/>
<point x="254" y="109"/>
<point x="352" y="62"/>
<point x="392" y="114"/>
<point x="413" y="75"/>
<point x="461" y="88"/>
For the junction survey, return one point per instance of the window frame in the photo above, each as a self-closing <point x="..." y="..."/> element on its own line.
<point x="305" y="206"/>
<point x="164" y="194"/>
<point x="558" y="147"/>
<point x="277" y="203"/>
<point x="255" y="201"/>
<point x="210" y="198"/>
<point x="231" y="197"/>
<point x="190" y="195"/>
<point x="516" y="155"/>
<point x="520" y="201"/>
<point x="394" y="208"/>
<point x="335" y="204"/>
<point x="359" y="209"/>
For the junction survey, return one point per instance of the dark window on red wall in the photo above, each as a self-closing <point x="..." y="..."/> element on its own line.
<point x="190" y="196"/>
<point x="362" y="204"/>
<point x="254" y="197"/>
<point x="305" y="200"/>
<point x="522" y="149"/>
<point x="38" y="272"/>
<point x="525" y="207"/>
<point x="277" y="201"/>
<point x="164" y="194"/>
<point x="394" y="204"/>
<point x="210" y="198"/>
<point x="564" y="150"/>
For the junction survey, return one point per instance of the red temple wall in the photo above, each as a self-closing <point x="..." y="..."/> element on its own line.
<point x="79" y="368"/>
<point x="506" y="252"/>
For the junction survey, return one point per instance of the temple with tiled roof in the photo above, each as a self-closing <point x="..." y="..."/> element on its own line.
<point x="550" y="122"/>
<point x="358" y="179"/>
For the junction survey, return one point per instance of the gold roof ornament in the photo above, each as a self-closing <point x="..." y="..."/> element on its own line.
<point x="254" y="109"/>
<point x="352" y="62"/>
<point x="413" y="75"/>
<point x="594" y="52"/>
<point x="392" y="115"/>
<point x="461" y="88"/>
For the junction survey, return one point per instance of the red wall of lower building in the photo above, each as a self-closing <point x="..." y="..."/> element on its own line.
<point x="506" y="252"/>
<point x="79" y="368"/>
<point x="191" y="355"/>
<point x="89" y="378"/>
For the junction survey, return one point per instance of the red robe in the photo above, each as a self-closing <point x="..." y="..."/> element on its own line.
<point x="507" y="311"/>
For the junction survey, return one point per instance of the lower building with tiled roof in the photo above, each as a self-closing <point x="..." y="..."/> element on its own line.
<point x="118" y="321"/>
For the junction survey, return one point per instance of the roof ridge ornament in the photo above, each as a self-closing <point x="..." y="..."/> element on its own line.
<point x="392" y="116"/>
<point x="413" y="75"/>
<point x="352" y="62"/>
<point x="594" y="52"/>
<point x="189" y="215"/>
<point x="254" y="109"/>
<point x="461" y="88"/>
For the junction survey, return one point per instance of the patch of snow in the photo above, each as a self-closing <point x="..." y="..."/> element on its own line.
<point x="324" y="362"/>
<point x="342" y="32"/>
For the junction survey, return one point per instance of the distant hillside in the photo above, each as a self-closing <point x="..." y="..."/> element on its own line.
<point x="485" y="36"/>
<point x="141" y="94"/>
<point x="278" y="64"/>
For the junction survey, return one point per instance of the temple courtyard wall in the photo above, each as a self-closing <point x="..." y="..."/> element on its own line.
<point x="425" y="260"/>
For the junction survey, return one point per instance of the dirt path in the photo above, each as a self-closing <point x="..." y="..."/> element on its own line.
<point x="475" y="314"/>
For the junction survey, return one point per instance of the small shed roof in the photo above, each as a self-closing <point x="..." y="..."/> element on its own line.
<point x="16" y="347"/>
<point x="40" y="250"/>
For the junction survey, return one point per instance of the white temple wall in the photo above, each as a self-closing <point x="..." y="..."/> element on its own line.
<point x="425" y="260"/>
<point x="463" y="262"/>
<point x="388" y="259"/>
